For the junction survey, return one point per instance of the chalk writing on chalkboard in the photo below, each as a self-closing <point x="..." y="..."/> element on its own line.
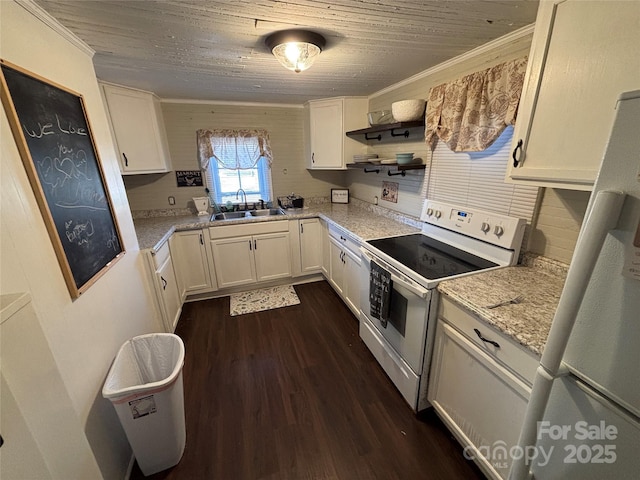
<point x="189" y="178"/>
<point x="53" y="136"/>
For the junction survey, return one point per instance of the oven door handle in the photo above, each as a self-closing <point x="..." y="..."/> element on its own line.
<point x="415" y="289"/>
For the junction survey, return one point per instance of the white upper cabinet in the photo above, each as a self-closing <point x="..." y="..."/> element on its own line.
<point x="583" y="55"/>
<point x="138" y="129"/>
<point x="328" y="148"/>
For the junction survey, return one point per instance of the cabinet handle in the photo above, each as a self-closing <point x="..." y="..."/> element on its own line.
<point x="250" y="246"/>
<point x="486" y="340"/>
<point x="255" y="244"/>
<point x="201" y="240"/>
<point x="301" y="228"/>
<point x="126" y="160"/>
<point x="516" y="160"/>
<point x="164" y="282"/>
<point x="342" y="238"/>
<point x="313" y="158"/>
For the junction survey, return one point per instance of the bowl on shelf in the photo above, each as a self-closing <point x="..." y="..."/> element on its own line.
<point x="408" y="110"/>
<point x="404" y="158"/>
<point x="380" y="117"/>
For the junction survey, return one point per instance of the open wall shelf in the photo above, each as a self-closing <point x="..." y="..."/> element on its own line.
<point x="377" y="167"/>
<point x="390" y="130"/>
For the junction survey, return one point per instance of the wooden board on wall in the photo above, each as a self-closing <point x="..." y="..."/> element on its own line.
<point x="53" y="136"/>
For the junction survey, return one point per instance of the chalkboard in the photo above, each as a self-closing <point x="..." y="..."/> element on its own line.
<point x="54" y="138"/>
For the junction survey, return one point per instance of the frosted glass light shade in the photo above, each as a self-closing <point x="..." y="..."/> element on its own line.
<point x="296" y="49"/>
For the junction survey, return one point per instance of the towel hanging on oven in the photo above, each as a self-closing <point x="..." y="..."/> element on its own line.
<point x="380" y="284"/>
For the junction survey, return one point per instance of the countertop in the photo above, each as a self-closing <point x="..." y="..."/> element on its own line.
<point x="539" y="281"/>
<point x="362" y="222"/>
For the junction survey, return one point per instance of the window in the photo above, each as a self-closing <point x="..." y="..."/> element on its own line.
<point x="236" y="159"/>
<point x="225" y="182"/>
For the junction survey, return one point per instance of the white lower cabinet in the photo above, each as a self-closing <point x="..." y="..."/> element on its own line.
<point x="166" y="287"/>
<point x="191" y="262"/>
<point x="310" y="245"/>
<point x="478" y="388"/>
<point x="271" y="254"/>
<point x="336" y="265"/>
<point x="344" y="265"/>
<point x="306" y="240"/>
<point x="351" y="289"/>
<point x="326" y="254"/>
<point x="250" y="253"/>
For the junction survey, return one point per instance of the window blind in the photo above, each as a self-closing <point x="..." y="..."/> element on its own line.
<point x="476" y="180"/>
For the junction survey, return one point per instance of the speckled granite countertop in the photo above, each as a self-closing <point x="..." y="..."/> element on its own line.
<point x="361" y="221"/>
<point x="539" y="281"/>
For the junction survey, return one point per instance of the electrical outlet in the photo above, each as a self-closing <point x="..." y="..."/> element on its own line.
<point x="172" y="200"/>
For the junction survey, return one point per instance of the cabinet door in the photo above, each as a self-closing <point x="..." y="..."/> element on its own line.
<point x="137" y="131"/>
<point x="311" y="245"/>
<point x="482" y="403"/>
<point x="337" y="266"/>
<point x="189" y="254"/>
<point x="326" y="134"/>
<point x="271" y="252"/>
<point x="351" y="290"/>
<point x="233" y="259"/>
<point x="171" y="301"/>
<point x="326" y="253"/>
<point x="583" y="55"/>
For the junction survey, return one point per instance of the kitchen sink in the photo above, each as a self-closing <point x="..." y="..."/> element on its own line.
<point x="228" y="215"/>
<point x="250" y="213"/>
<point x="266" y="212"/>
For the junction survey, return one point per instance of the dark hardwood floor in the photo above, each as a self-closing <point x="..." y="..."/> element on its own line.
<point x="293" y="393"/>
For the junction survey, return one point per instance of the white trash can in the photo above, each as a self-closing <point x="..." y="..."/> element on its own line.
<point x="144" y="385"/>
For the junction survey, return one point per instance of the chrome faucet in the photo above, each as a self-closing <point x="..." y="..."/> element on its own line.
<point x="246" y="207"/>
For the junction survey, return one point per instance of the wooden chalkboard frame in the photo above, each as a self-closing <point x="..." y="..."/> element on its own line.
<point x="92" y="242"/>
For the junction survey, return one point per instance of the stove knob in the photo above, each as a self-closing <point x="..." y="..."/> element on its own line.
<point x="429" y="211"/>
<point x="498" y="230"/>
<point x="485" y="227"/>
<point x="438" y="213"/>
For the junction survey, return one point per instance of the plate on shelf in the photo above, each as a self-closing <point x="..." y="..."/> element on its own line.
<point x="364" y="158"/>
<point x="388" y="161"/>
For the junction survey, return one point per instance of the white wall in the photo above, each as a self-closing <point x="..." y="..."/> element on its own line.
<point x="182" y="120"/>
<point x="84" y="335"/>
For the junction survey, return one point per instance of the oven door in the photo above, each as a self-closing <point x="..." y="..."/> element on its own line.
<point x="406" y="329"/>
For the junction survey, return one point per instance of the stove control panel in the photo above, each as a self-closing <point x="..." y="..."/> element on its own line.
<point x="495" y="228"/>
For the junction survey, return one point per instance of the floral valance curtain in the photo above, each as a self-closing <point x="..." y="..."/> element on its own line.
<point x="233" y="149"/>
<point x="470" y="113"/>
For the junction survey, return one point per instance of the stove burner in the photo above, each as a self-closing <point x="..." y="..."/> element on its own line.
<point x="430" y="258"/>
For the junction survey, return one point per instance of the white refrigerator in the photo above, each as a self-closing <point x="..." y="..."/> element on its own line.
<point x="583" y="417"/>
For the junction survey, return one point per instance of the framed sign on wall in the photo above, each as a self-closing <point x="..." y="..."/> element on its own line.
<point x="53" y="135"/>
<point x="339" y="195"/>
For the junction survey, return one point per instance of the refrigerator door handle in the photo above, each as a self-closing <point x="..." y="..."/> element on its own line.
<point x="603" y="217"/>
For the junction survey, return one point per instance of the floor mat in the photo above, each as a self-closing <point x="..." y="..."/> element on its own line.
<point x="263" y="299"/>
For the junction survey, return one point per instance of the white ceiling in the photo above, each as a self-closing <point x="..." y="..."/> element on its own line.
<point x="215" y="50"/>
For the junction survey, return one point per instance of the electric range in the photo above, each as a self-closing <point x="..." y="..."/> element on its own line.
<point x="454" y="242"/>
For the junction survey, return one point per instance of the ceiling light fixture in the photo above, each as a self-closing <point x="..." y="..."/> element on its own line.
<point x="296" y="49"/>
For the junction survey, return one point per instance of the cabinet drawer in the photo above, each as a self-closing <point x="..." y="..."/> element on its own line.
<point x="344" y="239"/>
<point x="244" y="229"/>
<point x="161" y="255"/>
<point x="515" y="357"/>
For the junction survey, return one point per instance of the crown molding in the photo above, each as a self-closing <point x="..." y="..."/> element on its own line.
<point x="226" y="102"/>
<point x="44" y="16"/>
<point x="482" y="49"/>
